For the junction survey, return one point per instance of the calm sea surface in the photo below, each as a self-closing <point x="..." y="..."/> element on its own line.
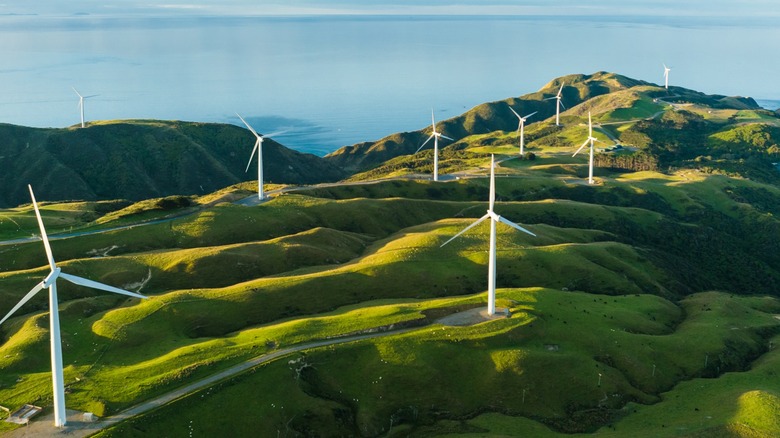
<point x="334" y="81"/>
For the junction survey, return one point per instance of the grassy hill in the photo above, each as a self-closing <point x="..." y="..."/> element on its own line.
<point x="141" y="159"/>
<point x="647" y="305"/>
<point x="484" y="118"/>
<point x="232" y="281"/>
<point x="658" y="129"/>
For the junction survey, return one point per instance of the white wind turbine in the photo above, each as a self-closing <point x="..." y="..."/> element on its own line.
<point x="81" y="104"/>
<point x="521" y="127"/>
<point x="558" y="105"/>
<point x="591" y="139"/>
<point x="666" y="76"/>
<point x="259" y="149"/>
<point x="494" y="219"/>
<point x="50" y="281"/>
<point x="435" y="136"/>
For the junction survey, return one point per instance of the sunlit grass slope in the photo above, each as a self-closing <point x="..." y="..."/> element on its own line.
<point x="147" y="336"/>
<point x="569" y="361"/>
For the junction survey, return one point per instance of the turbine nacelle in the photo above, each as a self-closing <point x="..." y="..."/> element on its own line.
<point x="591" y="139"/>
<point x="490" y="214"/>
<point x="557" y="95"/>
<point x="434" y="134"/>
<point x="51" y="278"/>
<point x="521" y="118"/>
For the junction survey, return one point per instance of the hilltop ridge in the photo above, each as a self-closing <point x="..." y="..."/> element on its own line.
<point x="600" y="92"/>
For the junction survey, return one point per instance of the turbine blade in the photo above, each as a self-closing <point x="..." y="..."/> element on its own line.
<point x="529" y="115"/>
<point x="561" y="102"/>
<point x="551" y="98"/>
<point x="474" y="224"/>
<point x="44" y="237"/>
<point x="513" y="225"/>
<point x="583" y="145"/>
<point x="95" y="285"/>
<point x="444" y="136"/>
<point x="247" y="125"/>
<point x="38" y="287"/>
<point x="590" y="126"/>
<point x="80" y="96"/>
<point x="275" y="133"/>
<point x="560" y="91"/>
<point x="257" y="144"/>
<point x="433" y="122"/>
<point x="426" y="142"/>
<point x="515" y="112"/>
<point x="492" y="199"/>
<point x="91" y="95"/>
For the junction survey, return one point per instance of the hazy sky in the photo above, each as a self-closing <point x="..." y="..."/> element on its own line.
<point x="726" y="8"/>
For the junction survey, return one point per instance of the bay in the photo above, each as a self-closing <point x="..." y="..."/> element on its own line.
<point x="330" y="81"/>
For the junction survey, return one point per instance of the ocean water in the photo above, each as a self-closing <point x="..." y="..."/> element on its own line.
<point x="332" y="81"/>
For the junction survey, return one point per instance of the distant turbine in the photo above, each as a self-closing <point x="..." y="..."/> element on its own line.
<point x="494" y="219"/>
<point x="666" y="76"/>
<point x="50" y="281"/>
<point x="521" y="127"/>
<point x="591" y="139"/>
<point x="81" y="104"/>
<point x="435" y="136"/>
<point x="558" y="105"/>
<point x="259" y="148"/>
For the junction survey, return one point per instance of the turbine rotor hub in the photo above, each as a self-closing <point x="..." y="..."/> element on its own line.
<point x="52" y="277"/>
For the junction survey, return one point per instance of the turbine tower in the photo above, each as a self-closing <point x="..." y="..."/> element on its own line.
<point x="50" y="281"/>
<point x="81" y="104"/>
<point x="558" y="105"/>
<point x="666" y="76"/>
<point x="494" y="219"/>
<point x="521" y="127"/>
<point x="591" y="139"/>
<point x="435" y="136"/>
<point x="259" y="149"/>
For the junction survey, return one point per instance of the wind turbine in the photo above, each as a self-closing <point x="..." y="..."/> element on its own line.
<point x="521" y="127"/>
<point x="81" y="104"/>
<point x="259" y="149"/>
<point x="50" y="281"/>
<point x="494" y="219"/>
<point x="435" y="136"/>
<point x="591" y="139"/>
<point x="666" y="76"/>
<point x="558" y="105"/>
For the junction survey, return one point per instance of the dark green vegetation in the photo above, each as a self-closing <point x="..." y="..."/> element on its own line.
<point x="647" y="305"/>
<point x="141" y="159"/>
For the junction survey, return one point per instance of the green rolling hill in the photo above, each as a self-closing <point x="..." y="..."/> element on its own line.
<point x="661" y="129"/>
<point x="141" y="159"/>
<point x="647" y="306"/>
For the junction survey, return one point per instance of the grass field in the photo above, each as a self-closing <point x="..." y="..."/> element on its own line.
<point x="641" y="345"/>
